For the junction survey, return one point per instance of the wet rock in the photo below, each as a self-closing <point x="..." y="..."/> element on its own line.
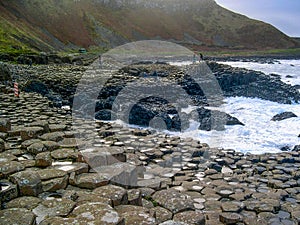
<point x="43" y="159"/>
<point x="8" y="191"/>
<point x="76" y="168"/>
<point x="173" y="200"/>
<point x="190" y="217"/>
<point x="17" y="216"/>
<point x="5" y="125"/>
<point x="283" y="116"/>
<point x="29" y="183"/>
<point x="118" y="195"/>
<point x="27" y="202"/>
<point x="98" y="214"/>
<point x="53" y="207"/>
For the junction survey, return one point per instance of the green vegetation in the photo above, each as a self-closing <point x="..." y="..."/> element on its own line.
<point x="9" y="44"/>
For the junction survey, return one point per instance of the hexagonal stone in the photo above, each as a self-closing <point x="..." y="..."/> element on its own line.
<point x="89" y="180"/>
<point x="263" y="205"/>
<point x="232" y="206"/>
<point x="65" y="153"/>
<point x="36" y="148"/>
<point x="17" y="216"/>
<point x="161" y="214"/>
<point x="77" y="168"/>
<point x="27" y="202"/>
<point x="97" y="157"/>
<point x="118" y="195"/>
<point x="53" y="207"/>
<point x="29" y="182"/>
<point x="135" y="215"/>
<point x="124" y="174"/>
<point x="230" y="218"/>
<point x="50" y="145"/>
<point x="43" y="159"/>
<point x="56" y="127"/>
<point x="54" y="136"/>
<point x="31" y="133"/>
<point x="10" y="167"/>
<point x="98" y="214"/>
<point x="173" y="200"/>
<point x="55" y="184"/>
<point x="47" y="174"/>
<point x="190" y="217"/>
<point x="87" y="197"/>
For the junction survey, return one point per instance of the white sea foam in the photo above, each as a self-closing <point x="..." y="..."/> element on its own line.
<point x="260" y="134"/>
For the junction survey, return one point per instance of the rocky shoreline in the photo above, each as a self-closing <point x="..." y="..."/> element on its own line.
<point x="129" y="176"/>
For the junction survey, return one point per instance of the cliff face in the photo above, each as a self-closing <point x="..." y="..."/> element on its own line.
<point x="62" y="24"/>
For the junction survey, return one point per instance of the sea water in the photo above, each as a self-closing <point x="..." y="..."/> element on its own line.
<point x="260" y="134"/>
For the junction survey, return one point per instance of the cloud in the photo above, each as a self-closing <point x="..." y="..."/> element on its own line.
<point x="280" y="13"/>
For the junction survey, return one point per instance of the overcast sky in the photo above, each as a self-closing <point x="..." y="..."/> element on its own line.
<point x="283" y="14"/>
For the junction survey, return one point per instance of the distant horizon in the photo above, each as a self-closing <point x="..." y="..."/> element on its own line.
<point x="282" y="14"/>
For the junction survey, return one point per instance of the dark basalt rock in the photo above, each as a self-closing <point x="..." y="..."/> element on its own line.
<point x="253" y="84"/>
<point x="283" y="116"/>
<point x="5" y="72"/>
<point x="215" y="120"/>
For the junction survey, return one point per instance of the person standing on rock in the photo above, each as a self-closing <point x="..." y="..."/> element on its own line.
<point x="100" y="61"/>
<point x="194" y="58"/>
<point x="200" y="57"/>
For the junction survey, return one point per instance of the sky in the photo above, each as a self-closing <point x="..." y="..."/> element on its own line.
<point x="283" y="14"/>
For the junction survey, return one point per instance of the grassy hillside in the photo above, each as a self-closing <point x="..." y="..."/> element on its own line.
<point x="46" y="25"/>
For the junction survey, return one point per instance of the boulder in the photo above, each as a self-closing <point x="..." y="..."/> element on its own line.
<point x="283" y="116"/>
<point x="29" y="183"/>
